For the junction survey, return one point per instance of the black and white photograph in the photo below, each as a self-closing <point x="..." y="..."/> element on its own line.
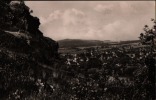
<point x="77" y="50"/>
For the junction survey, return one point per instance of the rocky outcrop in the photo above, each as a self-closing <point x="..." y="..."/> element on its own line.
<point x="23" y="48"/>
<point x="19" y="31"/>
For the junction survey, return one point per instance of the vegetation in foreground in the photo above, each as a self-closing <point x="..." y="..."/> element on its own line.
<point x="123" y="73"/>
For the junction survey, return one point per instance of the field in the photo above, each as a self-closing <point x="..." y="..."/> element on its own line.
<point x="112" y="73"/>
<point x="115" y="72"/>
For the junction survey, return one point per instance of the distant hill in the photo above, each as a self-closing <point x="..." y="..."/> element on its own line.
<point x="130" y="41"/>
<point x="71" y="43"/>
<point x="67" y="43"/>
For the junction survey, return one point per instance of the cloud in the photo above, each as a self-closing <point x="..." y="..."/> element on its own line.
<point x="53" y="16"/>
<point x="72" y="16"/>
<point x="101" y="20"/>
<point x="63" y="24"/>
<point x="117" y="30"/>
<point x="101" y="8"/>
<point x="69" y="16"/>
<point x="126" y="7"/>
<point x="104" y="8"/>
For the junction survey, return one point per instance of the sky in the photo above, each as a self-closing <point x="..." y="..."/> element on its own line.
<point x="93" y="20"/>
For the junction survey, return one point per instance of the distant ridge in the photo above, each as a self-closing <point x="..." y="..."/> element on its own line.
<point x="78" y="43"/>
<point x="71" y="43"/>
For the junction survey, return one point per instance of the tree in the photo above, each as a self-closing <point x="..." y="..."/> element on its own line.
<point x="149" y="35"/>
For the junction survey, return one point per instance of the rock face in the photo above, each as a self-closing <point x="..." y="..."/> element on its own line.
<point x="23" y="48"/>
<point x="19" y="31"/>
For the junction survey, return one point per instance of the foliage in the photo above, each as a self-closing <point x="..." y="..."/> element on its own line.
<point x="149" y="35"/>
<point x="16" y="15"/>
<point x="77" y="77"/>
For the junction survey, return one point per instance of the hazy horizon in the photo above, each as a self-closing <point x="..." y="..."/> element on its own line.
<point x="93" y="20"/>
<point x="98" y="40"/>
